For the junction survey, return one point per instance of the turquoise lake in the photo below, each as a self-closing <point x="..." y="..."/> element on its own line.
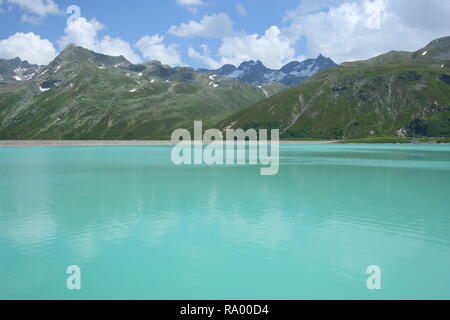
<point x="140" y="227"/>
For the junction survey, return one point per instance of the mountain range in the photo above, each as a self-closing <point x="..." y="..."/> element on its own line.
<point x="394" y="94"/>
<point x="86" y="95"/>
<point x="292" y="74"/>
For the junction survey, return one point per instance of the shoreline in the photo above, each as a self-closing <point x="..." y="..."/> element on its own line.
<point x="100" y="143"/>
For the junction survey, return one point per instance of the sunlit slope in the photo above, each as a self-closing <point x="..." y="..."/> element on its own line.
<point x="85" y="95"/>
<point x="384" y="96"/>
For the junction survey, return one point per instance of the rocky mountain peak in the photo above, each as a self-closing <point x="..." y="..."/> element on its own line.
<point x="256" y="73"/>
<point x="13" y="70"/>
<point x="73" y="53"/>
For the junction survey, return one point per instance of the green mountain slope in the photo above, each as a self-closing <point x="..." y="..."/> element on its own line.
<point x="398" y="93"/>
<point x="85" y="95"/>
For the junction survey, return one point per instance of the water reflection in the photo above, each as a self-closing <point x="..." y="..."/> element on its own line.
<point x="330" y="212"/>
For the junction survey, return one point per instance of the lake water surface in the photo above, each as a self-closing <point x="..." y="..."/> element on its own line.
<point x="140" y="227"/>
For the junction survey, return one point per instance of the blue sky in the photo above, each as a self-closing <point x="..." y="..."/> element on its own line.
<point x="209" y="33"/>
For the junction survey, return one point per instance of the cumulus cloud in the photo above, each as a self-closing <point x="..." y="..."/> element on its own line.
<point x="204" y="57"/>
<point x="84" y="33"/>
<point x="214" y="26"/>
<point x="153" y="48"/>
<point x="360" y="29"/>
<point x="27" y="46"/>
<point x="272" y="48"/>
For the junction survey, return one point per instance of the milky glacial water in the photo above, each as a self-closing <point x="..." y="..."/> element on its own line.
<point x="140" y="227"/>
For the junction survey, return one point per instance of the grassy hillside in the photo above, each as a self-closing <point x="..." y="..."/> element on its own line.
<point x="395" y="94"/>
<point x="85" y="95"/>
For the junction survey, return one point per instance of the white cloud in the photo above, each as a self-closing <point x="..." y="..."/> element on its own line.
<point x="204" y="57"/>
<point x="190" y="5"/>
<point x="214" y="26"/>
<point x="31" y="19"/>
<point x="184" y="3"/>
<point x="84" y="33"/>
<point x="272" y="48"/>
<point x="153" y="48"/>
<point x="361" y="29"/>
<point x="116" y="47"/>
<point x="312" y="6"/>
<point x="241" y="10"/>
<point x="39" y="7"/>
<point x="27" y="46"/>
<point x="36" y="10"/>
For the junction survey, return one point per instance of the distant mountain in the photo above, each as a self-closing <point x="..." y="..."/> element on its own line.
<point x="16" y="70"/>
<point x="292" y="74"/>
<point x="86" y="95"/>
<point x="394" y="94"/>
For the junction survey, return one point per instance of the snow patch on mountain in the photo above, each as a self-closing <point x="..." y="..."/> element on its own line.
<point x="292" y="74"/>
<point x="13" y="70"/>
<point x="30" y="76"/>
